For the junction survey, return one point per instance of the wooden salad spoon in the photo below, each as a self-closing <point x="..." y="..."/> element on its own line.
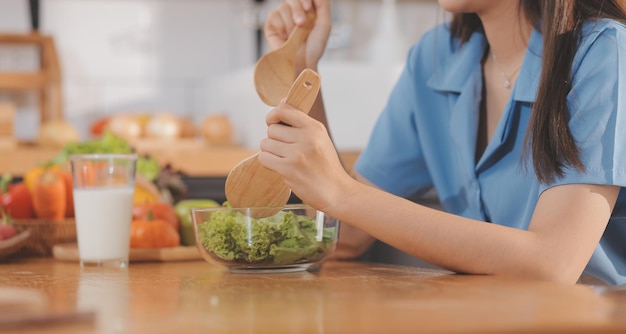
<point x="275" y="71"/>
<point x="249" y="184"/>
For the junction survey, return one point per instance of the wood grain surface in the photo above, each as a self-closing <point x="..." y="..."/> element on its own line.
<point x="69" y="252"/>
<point x="342" y="297"/>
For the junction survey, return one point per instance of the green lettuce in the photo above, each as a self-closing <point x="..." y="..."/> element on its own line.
<point x="284" y="238"/>
<point x="107" y="143"/>
<point x="147" y="166"/>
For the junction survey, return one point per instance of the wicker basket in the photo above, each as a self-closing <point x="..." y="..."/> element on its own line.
<point x="44" y="234"/>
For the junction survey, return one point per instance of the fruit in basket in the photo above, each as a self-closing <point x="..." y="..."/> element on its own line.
<point x="31" y="176"/>
<point x="152" y="233"/>
<point x="7" y="230"/>
<point x="49" y="195"/>
<point x="15" y="199"/>
<point x="18" y="202"/>
<point x="159" y="210"/>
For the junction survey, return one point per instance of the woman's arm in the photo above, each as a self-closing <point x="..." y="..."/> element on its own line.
<point x="566" y="226"/>
<point x="352" y="241"/>
<point x="565" y="229"/>
<point x="292" y="13"/>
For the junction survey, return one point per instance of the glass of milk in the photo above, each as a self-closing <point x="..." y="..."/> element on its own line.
<point x="104" y="185"/>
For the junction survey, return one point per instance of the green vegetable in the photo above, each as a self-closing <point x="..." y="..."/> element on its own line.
<point x="282" y="239"/>
<point x="5" y="180"/>
<point x="107" y="143"/>
<point x="183" y="211"/>
<point x="148" y="167"/>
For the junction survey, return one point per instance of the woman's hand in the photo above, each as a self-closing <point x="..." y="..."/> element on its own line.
<point x="299" y="149"/>
<point x="283" y="20"/>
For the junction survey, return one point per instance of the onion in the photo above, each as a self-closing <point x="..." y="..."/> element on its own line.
<point x="164" y="126"/>
<point x="188" y="129"/>
<point x="217" y="129"/>
<point x="57" y="133"/>
<point x="125" y="126"/>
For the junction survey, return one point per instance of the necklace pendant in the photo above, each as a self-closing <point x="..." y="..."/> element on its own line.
<point x="507" y="84"/>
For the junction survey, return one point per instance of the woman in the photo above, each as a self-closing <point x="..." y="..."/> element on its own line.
<point x="515" y="112"/>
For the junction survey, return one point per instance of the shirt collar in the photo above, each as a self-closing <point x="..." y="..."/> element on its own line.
<point x="454" y="73"/>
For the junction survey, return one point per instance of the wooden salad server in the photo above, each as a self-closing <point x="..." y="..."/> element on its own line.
<point x="275" y="71"/>
<point x="249" y="184"/>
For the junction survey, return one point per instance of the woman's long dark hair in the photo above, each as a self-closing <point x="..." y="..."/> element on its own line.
<point x="552" y="145"/>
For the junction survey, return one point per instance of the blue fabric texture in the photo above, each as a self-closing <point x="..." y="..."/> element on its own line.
<point x="426" y="135"/>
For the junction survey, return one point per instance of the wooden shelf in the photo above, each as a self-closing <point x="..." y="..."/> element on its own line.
<point x="46" y="80"/>
<point x="22" y="81"/>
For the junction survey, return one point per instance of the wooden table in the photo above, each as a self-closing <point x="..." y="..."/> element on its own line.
<point x="343" y="297"/>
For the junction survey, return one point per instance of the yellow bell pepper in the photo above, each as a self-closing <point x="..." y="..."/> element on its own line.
<point x="31" y="176"/>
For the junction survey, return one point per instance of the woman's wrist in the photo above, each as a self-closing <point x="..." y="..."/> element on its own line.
<point x="309" y="66"/>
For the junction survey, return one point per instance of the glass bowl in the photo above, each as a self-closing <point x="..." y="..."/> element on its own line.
<point x="295" y="238"/>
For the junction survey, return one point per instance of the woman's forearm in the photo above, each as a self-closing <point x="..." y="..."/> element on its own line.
<point x="352" y="241"/>
<point x="457" y="243"/>
<point x="318" y="111"/>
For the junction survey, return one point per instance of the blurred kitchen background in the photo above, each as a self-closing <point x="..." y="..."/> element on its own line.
<point x="195" y="58"/>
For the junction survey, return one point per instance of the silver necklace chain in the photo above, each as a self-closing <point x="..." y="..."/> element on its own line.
<point x="507" y="78"/>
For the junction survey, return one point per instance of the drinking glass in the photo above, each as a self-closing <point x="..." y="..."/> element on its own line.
<point x="104" y="186"/>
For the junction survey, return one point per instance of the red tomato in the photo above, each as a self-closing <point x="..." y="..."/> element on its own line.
<point x="18" y="202"/>
<point x="156" y="211"/>
<point x="98" y="127"/>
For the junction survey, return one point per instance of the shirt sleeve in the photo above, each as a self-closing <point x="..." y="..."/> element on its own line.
<point x="393" y="158"/>
<point x="597" y="105"/>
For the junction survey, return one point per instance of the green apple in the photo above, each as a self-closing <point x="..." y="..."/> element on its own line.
<point x="183" y="211"/>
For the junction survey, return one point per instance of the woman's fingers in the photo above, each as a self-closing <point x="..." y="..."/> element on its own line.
<point x="291" y="13"/>
<point x="298" y="14"/>
<point x="283" y="133"/>
<point x="289" y="129"/>
<point x="286" y="114"/>
<point x="274" y="147"/>
<point x="306" y="4"/>
<point x="322" y="9"/>
<point x="278" y="25"/>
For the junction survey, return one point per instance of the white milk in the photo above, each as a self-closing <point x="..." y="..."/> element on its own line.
<point x="103" y="218"/>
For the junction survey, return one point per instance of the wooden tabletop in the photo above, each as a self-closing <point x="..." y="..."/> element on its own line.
<point x="343" y="297"/>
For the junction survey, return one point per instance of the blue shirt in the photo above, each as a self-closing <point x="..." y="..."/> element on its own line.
<point x="426" y="135"/>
